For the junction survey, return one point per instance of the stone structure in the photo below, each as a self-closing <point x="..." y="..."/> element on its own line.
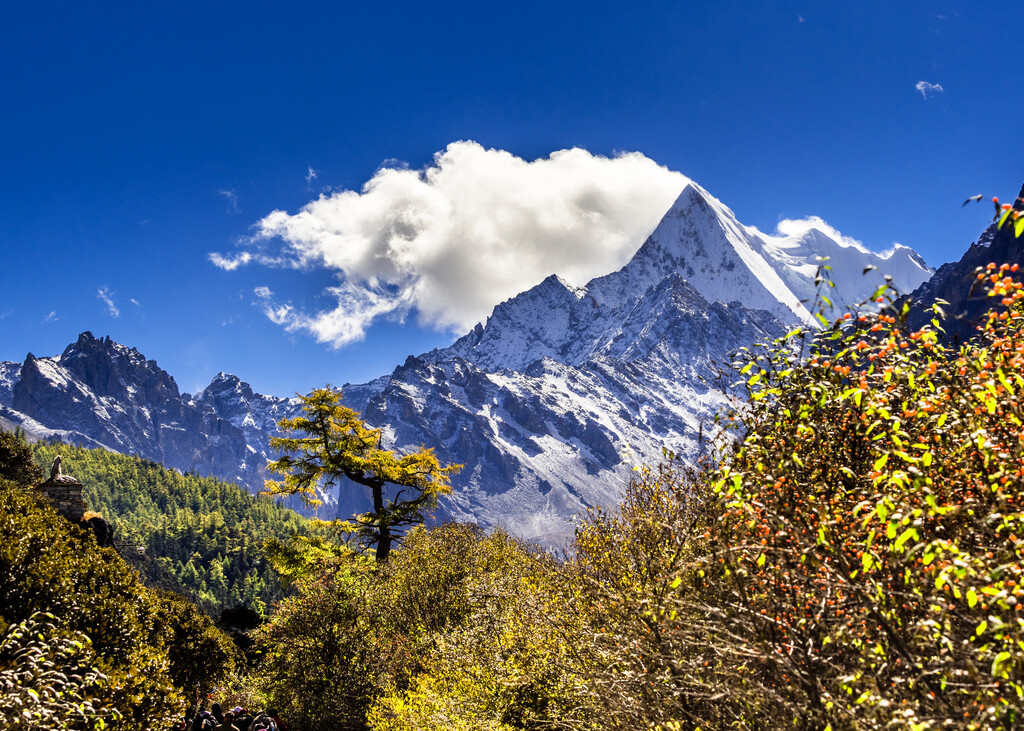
<point x="64" y="493"/>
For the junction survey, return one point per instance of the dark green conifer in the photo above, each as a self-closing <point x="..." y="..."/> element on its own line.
<point x="16" y="461"/>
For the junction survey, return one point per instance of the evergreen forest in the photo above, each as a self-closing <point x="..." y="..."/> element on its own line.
<point x="198" y="536"/>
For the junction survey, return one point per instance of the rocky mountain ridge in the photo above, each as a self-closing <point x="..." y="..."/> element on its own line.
<point x="99" y="393"/>
<point x="549" y="404"/>
<point x="955" y="283"/>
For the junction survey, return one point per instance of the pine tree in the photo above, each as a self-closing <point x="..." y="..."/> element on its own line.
<point x="16" y="461"/>
<point x="329" y="442"/>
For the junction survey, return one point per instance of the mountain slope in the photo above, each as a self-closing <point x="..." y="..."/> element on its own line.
<point x="195" y="535"/>
<point x="549" y="404"/>
<point x="954" y="283"/>
<point x="543" y="443"/>
<point x="99" y="393"/>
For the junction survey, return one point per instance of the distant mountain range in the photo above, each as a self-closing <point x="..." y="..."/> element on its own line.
<point x="549" y="404"/>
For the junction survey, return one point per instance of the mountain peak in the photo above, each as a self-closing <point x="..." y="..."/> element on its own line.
<point x="701" y="239"/>
<point x="692" y="195"/>
<point x="88" y="344"/>
<point x="226" y="378"/>
<point x="899" y="251"/>
<point x="227" y="383"/>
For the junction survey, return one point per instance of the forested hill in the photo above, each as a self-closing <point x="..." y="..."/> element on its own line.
<point x="197" y="535"/>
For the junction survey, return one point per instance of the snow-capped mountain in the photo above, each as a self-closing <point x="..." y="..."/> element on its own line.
<point x="701" y="239"/>
<point x="545" y="441"/>
<point x="99" y="393"/>
<point x="549" y="404"/>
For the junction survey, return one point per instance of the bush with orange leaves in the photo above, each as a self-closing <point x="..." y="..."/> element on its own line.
<point x="870" y="547"/>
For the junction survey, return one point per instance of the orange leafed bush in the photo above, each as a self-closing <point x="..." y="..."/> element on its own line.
<point x="873" y="514"/>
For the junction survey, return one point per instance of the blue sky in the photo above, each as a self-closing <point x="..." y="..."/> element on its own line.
<point x="139" y="139"/>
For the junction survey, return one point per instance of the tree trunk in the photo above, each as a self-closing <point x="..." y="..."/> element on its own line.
<point x="384" y="544"/>
<point x="383" y="529"/>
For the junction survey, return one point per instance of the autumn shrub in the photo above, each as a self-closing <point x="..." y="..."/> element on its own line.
<point x="488" y="632"/>
<point x="643" y="595"/>
<point x="427" y="589"/>
<point x="99" y="618"/>
<point x="316" y="664"/>
<point x="868" y="552"/>
<point x="447" y="632"/>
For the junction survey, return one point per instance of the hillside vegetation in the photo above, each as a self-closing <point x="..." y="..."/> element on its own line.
<point x="852" y="560"/>
<point x="199" y="536"/>
<point x="83" y="644"/>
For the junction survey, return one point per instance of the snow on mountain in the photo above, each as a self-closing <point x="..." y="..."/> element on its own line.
<point x="257" y="415"/>
<point x="9" y="374"/>
<point x="796" y="255"/>
<point x="699" y="240"/>
<point x="549" y="404"/>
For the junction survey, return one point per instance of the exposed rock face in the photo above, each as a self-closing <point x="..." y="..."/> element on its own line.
<point x="100" y="393"/>
<point x="549" y="404"/>
<point x="956" y="282"/>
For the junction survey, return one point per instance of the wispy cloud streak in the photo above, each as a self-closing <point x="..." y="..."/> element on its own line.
<point x="107" y="297"/>
<point x="927" y="88"/>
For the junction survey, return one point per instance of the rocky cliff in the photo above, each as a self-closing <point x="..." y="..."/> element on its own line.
<point x="549" y="404"/>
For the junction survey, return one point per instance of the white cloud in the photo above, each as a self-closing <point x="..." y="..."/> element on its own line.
<point x="263" y="292"/>
<point x="358" y="306"/>
<point x="798" y="228"/>
<point x="52" y="317"/>
<point x="108" y="299"/>
<point x="311" y="175"/>
<point x="232" y="198"/>
<point x="454" y="239"/>
<point x="927" y="88"/>
<point x="230" y="263"/>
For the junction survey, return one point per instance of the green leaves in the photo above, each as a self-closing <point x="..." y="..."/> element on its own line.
<point x="1001" y="665"/>
<point x="891" y="467"/>
<point x="908" y="534"/>
<point x="972" y="598"/>
<point x="331" y="442"/>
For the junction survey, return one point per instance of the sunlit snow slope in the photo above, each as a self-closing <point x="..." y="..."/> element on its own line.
<point x="549" y="404"/>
